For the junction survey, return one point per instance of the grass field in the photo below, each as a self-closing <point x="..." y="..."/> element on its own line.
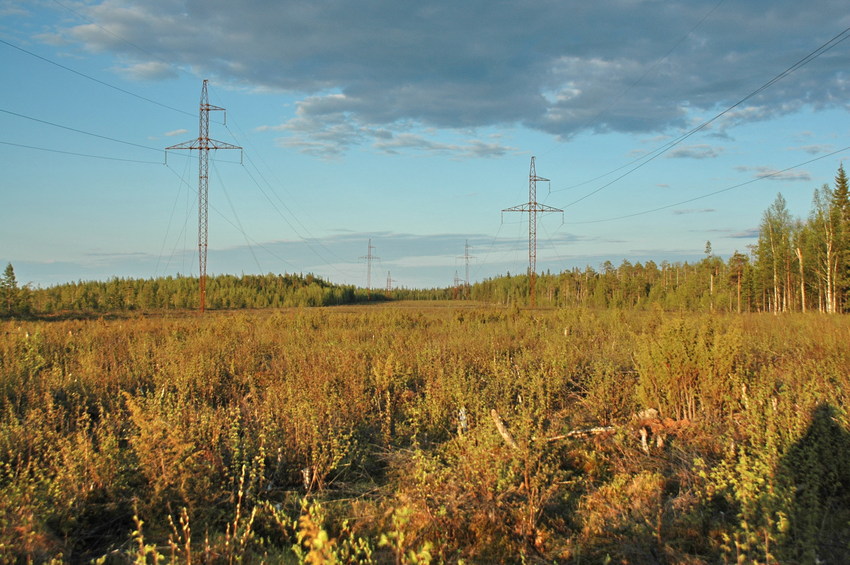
<point x="370" y="434"/>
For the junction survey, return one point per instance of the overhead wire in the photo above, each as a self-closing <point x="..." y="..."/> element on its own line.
<point x="728" y="188"/>
<point x="549" y="240"/>
<point x="625" y="91"/>
<point x="236" y="217"/>
<point x="54" y="124"/>
<point x="83" y="132"/>
<point x="645" y="160"/>
<point x="93" y="79"/>
<point x="116" y="36"/>
<point x="112" y="139"/>
<point x="75" y="154"/>
<point x="119" y="89"/>
<point x="487" y="253"/>
<point x="640" y="79"/>
<point x="226" y="219"/>
<point x="652" y="155"/>
<point x="91" y="134"/>
<point x="294" y="216"/>
<point x="305" y="240"/>
<point x="170" y="218"/>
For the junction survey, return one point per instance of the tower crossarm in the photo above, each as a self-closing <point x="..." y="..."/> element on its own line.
<point x="203" y="144"/>
<point x="534" y="207"/>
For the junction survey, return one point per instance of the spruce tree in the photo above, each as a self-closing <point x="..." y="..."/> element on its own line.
<point x="841" y="195"/>
<point x="841" y="204"/>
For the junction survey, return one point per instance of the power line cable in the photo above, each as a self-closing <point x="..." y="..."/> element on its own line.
<point x="170" y="218"/>
<point x="646" y="73"/>
<point x="651" y="156"/>
<point x="483" y="261"/>
<point x="76" y="130"/>
<point x="79" y="154"/>
<point x="54" y="124"/>
<point x="549" y="241"/>
<point x="271" y="188"/>
<point x="728" y="188"/>
<point x="116" y="36"/>
<point x="236" y="216"/>
<point x="226" y="219"/>
<point x="306" y="240"/>
<point x="93" y="79"/>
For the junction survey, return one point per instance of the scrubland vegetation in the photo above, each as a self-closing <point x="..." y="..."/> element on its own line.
<point x="681" y="413"/>
<point x="368" y="435"/>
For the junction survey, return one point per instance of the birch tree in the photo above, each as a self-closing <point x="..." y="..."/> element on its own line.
<point x="774" y="253"/>
<point x="825" y="223"/>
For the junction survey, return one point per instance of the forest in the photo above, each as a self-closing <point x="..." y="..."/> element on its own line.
<point x="673" y="413"/>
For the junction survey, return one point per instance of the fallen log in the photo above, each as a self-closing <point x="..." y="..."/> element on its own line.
<point x="503" y="431"/>
<point x="583" y="432"/>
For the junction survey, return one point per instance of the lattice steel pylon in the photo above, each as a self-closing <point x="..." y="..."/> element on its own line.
<point x="203" y="144"/>
<point x="390" y="282"/>
<point x="532" y="208"/>
<point x="466" y="257"/>
<point x="369" y="258"/>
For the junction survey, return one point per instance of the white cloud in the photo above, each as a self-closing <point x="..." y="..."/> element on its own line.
<point x="695" y="152"/>
<point x="468" y="148"/>
<point x="815" y="149"/>
<point x="751" y="233"/>
<point x="150" y="70"/>
<point x="694" y="211"/>
<point x="769" y="173"/>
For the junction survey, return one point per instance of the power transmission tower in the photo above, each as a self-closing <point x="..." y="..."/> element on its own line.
<point x="390" y="282"/>
<point x="203" y="144"/>
<point x="466" y="257"/>
<point x="532" y="208"/>
<point x="369" y="258"/>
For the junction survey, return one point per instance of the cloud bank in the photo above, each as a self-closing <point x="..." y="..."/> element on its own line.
<point x="365" y="71"/>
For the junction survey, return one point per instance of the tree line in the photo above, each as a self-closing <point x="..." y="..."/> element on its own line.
<point x="177" y="293"/>
<point x="805" y="264"/>
<point x="796" y="265"/>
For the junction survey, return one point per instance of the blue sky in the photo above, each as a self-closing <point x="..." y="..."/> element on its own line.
<point x="410" y="123"/>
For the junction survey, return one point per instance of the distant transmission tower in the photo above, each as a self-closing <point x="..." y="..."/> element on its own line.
<point x="532" y="208"/>
<point x="203" y="144"/>
<point x="369" y="258"/>
<point x="390" y="282"/>
<point x="466" y="257"/>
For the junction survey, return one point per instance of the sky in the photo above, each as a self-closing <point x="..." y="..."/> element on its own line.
<point x="660" y="124"/>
